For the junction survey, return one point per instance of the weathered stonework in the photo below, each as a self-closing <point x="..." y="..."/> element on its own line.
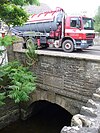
<point x="8" y="113"/>
<point x="69" y="80"/>
<point x="88" y="121"/>
<point x="68" y="76"/>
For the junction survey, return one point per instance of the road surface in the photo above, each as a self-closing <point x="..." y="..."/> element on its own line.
<point x="93" y="50"/>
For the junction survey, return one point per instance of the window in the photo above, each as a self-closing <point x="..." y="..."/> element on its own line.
<point x="88" y="23"/>
<point x="75" y="22"/>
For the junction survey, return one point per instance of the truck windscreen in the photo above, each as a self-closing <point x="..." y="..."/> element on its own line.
<point x="88" y="23"/>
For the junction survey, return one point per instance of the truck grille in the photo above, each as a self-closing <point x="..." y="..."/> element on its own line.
<point x="90" y="35"/>
<point x="89" y="41"/>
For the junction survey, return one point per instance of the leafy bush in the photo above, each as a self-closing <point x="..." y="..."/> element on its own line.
<point x="21" y="82"/>
<point x="5" y="41"/>
<point x="31" y="55"/>
<point x="12" y="13"/>
<point x="97" y="20"/>
<point x="2" y="97"/>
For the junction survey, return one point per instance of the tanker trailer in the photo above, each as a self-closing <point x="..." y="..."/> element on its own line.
<point x="41" y="27"/>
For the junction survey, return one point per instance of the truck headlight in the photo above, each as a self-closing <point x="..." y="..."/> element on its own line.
<point x="83" y="41"/>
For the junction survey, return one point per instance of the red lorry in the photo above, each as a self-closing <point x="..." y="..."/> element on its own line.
<point x="56" y="29"/>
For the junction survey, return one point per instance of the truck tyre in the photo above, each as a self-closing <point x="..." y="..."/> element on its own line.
<point x="30" y="41"/>
<point x="44" y="46"/>
<point x="68" y="46"/>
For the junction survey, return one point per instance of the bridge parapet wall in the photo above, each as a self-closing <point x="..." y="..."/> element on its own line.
<point x="72" y="76"/>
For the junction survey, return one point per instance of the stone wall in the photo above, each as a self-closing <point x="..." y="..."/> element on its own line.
<point x="75" y="80"/>
<point x="88" y="121"/>
<point x="71" y="75"/>
<point x="8" y="113"/>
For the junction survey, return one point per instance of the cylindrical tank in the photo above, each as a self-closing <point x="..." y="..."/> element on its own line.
<point x="43" y="22"/>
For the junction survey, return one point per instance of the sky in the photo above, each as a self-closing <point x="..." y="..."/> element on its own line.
<point x="72" y="7"/>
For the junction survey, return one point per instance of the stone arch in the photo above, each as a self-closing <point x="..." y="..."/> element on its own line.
<point x="52" y="97"/>
<point x="36" y="106"/>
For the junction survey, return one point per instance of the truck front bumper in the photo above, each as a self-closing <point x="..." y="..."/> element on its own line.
<point x="83" y="44"/>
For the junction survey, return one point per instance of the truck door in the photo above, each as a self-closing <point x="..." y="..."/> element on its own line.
<point x="75" y="26"/>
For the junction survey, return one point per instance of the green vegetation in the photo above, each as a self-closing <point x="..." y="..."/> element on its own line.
<point x="31" y="56"/>
<point x="12" y="12"/>
<point x="5" y="41"/>
<point x="97" y="20"/>
<point x="16" y="82"/>
<point x="2" y="98"/>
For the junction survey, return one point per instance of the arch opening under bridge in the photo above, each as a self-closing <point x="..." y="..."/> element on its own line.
<point x="49" y="114"/>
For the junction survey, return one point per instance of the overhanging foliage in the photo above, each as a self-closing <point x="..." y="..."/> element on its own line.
<point x="16" y="81"/>
<point x="97" y="20"/>
<point x="12" y="13"/>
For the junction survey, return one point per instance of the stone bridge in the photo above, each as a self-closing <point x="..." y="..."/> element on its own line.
<point x="67" y="79"/>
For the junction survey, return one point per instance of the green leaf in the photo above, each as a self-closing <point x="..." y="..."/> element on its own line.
<point x="12" y="13"/>
<point x="2" y="97"/>
<point x="1" y="103"/>
<point x="17" y="100"/>
<point x="97" y="20"/>
<point x="31" y="55"/>
<point x="7" y="40"/>
<point x="22" y="81"/>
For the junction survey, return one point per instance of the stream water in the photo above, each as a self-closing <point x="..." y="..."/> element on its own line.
<point x="48" y="120"/>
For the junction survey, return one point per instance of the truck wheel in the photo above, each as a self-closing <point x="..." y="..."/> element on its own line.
<point x="68" y="46"/>
<point x="30" y="41"/>
<point x="44" y="46"/>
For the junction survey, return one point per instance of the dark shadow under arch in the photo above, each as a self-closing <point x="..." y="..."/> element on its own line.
<point x="49" y="116"/>
<point x="46" y="117"/>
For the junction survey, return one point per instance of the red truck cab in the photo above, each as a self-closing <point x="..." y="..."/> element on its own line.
<point x="79" y="31"/>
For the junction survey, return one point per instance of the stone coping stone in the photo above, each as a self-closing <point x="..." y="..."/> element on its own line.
<point x="52" y="52"/>
<point x="68" y="55"/>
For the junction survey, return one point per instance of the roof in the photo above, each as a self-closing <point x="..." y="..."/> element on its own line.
<point x="33" y="9"/>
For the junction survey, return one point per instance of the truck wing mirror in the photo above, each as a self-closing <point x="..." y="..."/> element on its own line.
<point x="78" y="27"/>
<point x="94" y="20"/>
<point x="78" y="24"/>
